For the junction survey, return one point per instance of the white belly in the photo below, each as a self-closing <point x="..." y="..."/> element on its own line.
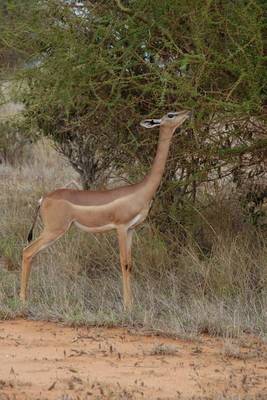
<point x="95" y="229"/>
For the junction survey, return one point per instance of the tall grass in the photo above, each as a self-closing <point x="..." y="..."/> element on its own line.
<point x="215" y="281"/>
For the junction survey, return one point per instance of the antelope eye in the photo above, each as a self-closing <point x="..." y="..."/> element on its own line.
<point x="170" y="115"/>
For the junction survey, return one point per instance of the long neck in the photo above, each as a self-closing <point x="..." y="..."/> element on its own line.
<point x="152" y="180"/>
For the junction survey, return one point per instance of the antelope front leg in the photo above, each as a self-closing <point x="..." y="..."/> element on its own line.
<point x="125" y="241"/>
<point x="129" y="267"/>
<point x="26" y="268"/>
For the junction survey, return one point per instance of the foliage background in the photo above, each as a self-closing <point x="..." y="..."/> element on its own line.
<point x="90" y="71"/>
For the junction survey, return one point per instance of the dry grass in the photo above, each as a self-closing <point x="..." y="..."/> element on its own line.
<point x="214" y="283"/>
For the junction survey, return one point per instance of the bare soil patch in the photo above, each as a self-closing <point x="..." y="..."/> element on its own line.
<point x="44" y="360"/>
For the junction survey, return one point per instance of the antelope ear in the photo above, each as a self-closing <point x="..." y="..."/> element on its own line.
<point x="150" y="123"/>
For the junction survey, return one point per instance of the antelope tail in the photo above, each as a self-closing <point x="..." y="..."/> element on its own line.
<point x="30" y="234"/>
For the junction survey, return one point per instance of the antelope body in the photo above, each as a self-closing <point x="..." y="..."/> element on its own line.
<point x="122" y="208"/>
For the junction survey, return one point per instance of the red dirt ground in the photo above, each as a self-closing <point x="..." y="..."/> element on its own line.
<point x="44" y="360"/>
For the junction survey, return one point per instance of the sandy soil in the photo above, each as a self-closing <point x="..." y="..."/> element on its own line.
<point x="40" y="360"/>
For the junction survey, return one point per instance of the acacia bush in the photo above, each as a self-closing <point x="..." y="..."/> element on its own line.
<point x="93" y="70"/>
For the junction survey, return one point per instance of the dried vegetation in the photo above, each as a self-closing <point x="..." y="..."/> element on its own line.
<point x="211" y="280"/>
